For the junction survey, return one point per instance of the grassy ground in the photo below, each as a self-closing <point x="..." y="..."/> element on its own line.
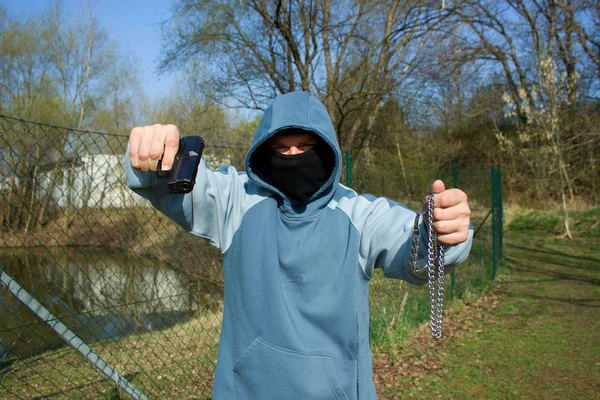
<point x="398" y="308"/>
<point x="176" y="363"/>
<point x="533" y="336"/>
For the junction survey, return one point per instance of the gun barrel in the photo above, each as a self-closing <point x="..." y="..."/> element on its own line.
<point x="182" y="175"/>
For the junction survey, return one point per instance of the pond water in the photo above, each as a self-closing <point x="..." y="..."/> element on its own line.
<point x="98" y="294"/>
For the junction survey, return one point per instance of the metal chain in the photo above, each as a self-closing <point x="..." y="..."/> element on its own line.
<point x="414" y="254"/>
<point x="437" y="304"/>
<point x="435" y="271"/>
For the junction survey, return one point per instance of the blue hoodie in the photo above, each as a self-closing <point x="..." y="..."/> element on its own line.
<point x="296" y="312"/>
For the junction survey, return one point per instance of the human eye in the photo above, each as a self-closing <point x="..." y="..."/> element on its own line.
<point x="280" y="148"/>
<point x="307" y="146"/>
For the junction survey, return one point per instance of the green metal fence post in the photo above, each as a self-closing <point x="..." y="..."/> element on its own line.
<point x="349" y="169"/>
<point x="501" y="216"/>
<point x="494" y="224"/>
<point x="455" y="185"/>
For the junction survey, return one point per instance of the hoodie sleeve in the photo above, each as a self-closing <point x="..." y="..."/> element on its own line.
<point x="212" y="210"/>
<point x="386" y="241"/>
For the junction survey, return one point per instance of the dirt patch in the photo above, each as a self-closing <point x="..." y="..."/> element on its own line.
<point x="533" y="336"/>
<point x="421" y="356"/>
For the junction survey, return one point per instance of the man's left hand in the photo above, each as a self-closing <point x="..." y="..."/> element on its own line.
<point x="451" y="214"/>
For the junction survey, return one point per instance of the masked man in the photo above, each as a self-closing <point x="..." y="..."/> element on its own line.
<point x="299" y="250"/>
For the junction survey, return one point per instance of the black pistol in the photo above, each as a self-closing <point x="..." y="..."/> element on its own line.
<point x="182" y="175"/>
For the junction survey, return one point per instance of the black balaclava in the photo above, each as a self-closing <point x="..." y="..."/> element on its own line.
<point x="298" y="176"/>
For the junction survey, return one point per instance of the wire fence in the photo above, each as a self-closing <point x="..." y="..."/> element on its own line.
<point x="397" y="308"/>
<point x="101" y="296"/>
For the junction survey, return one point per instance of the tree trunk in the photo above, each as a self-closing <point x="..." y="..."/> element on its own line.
<point x="401" y="162"/>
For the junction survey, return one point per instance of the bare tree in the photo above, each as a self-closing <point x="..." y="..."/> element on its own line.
<point x="121" y="87"/>
<point x="27" y="93"/>
<point x="24" y="68"/>
<point x="352" y="54"/>
<point x="541" y="48"/>
<point x="80" y="54"/>
<point x="47" y="74"/>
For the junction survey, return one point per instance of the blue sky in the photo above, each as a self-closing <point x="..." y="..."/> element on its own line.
<point x="133" y="24"/>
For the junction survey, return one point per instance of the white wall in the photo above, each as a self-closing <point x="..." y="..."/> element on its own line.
<point x="98" y="182"/>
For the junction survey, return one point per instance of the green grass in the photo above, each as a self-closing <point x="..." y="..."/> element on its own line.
<point x="397" y="307"/>
<point x="582" y="223"/>
<point x="539" y="341"/>
<point x="533" y="337"/>
<point x="179" y="362"/>
<point x="173" y="363"/>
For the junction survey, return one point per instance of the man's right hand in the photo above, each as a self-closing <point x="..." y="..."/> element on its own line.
<point x="148" y="144"/>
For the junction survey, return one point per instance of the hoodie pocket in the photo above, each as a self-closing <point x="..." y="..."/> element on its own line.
<point x="267" y="371"/>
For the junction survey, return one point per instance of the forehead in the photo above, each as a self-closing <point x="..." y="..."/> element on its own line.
<point x="294" y="136"/>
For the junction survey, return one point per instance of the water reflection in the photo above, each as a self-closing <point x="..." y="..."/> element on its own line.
<point x="97" y="294"/>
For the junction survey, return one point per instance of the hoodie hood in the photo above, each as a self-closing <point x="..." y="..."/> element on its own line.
<point x="299" y="110"/>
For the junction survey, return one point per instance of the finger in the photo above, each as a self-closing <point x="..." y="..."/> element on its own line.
<point x="453" y="239"/>
<point x="144" y="153"/>
<point x="460" y="210"/>
<point x="450" y="198"/>
<point x="437" y="187"/>
<point x="171" y="145"/>
<point x="134" y="144"/>
<point x="157" y="146"/>
<point x="450" y="227"/>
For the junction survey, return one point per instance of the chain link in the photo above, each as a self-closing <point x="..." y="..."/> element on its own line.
<point x="437" y="304"/>
<point x="435" y="270"/>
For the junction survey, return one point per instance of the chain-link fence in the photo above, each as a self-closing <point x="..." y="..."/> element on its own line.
<point x="142" y="294"/>
<point x="102" y="296"/>
<point x="396" y="306"/>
